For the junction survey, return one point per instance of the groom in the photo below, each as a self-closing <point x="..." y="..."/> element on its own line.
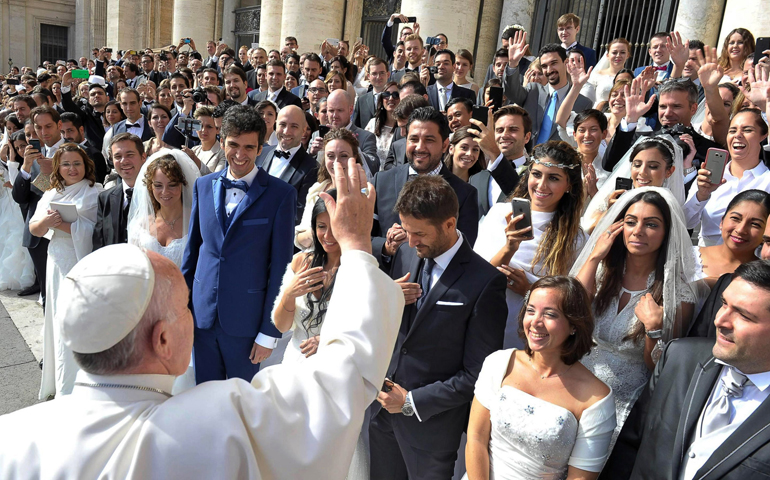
<point x="240" y="241"/>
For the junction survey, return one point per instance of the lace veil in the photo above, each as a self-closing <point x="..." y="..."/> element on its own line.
<point x="680" y="281"/>
<point x="674" y="183"/>
<point x="141" y="215"/>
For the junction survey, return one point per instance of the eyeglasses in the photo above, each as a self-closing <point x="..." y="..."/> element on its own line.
<point x="316" y="90"/>
<point x="387" y="95"/>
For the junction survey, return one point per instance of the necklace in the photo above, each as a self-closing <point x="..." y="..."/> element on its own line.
<point x="131" y="387"/>
<point x="543" y="377"/>
<point x="170" y="224"/>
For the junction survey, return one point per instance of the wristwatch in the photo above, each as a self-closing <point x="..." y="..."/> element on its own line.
<point x="688" y="171"/>
<point x="407" y="409"/>
<point x="654" y="334"/>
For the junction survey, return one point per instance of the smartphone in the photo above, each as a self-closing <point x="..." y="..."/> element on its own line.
<point x="360" y="40"/>
<point x="623" y="183"/>
<point x="187" y="41"/>
<point x="432" y="41"/>
<point x="387" y="385"/>
<point x="522" y="206"/>
<point x="763" y="43"/>
<point x="496" y="95"/>
<point x="108" y="50"/>
<point x="333" y="41"/>
<point x="35" y="143"/>
<point x="80" y="73"/>
<point x="323" y="130"/>
<point x="716" y="159"/>
<point x="480" y="113"/>
<point x="12" y="81"/>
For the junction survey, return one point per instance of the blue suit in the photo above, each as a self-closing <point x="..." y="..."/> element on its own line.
<point x="234" y="273"/>
<point x="588" y="53"/>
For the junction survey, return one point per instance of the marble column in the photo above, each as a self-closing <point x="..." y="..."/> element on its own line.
<point x="487" y="39"/>
<point x="194" y="19"/>
<point x="700" y="19"/>
<point x="228" y="22"/>
<point x="312" y="22"/>
<point x="753" y="15"/>
<point x="84" y="40"/>
<point x="126" y="24"/>
<point x="98" y="25"/>
<point x="270" y="25"/>
<point x="353" y="19"/>
<point x="517" y="12"/>
<point x="457" y="19"/>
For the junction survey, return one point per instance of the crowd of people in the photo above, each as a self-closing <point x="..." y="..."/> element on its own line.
<point x="555" y="231"/>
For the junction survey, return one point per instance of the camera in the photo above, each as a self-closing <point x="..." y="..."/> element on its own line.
<point x="678" y="130"/>
<point x="433" y="70"/>
<point x="199" y="95"/>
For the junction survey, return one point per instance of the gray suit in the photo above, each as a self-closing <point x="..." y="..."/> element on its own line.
<point x="364" y="110"/>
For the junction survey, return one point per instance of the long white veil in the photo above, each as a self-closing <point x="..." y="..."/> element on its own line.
<point x="680" y="280"/>
<point x="141" y="215"/>
<point x="674" y="183"/>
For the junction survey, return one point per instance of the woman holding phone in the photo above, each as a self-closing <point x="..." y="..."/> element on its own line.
<point x="543" y="240"/>
<point x="73" y="182"/>
<point x="706" y="204"/>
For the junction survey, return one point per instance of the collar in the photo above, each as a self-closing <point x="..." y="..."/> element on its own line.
<point x="125" y="187"/>
<point x="448" y="87"/>
<point x="245" y="101"/>
<point x="445" y="258"/>
<point x="349" y="126"/>
<point x="292" y="151"/>
<point x="55" y="145"/>
<point x="520" y="161"/>
<point x="760" y="380"/>
<point x="435" y="171"/>
<point x="139" y="121"/>
<point x="277" y="92"/>
<point x="567" y="47"/>
<point x="664" y="65"/>
<point x="248" y="178"/>
<point x="755" y="172"/>
<point x="159" y="381"/>
<point x="562" y="92"/>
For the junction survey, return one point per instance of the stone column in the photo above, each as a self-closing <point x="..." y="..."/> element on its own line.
<point x="228" y="22"/>
<point x="126" y="24"/>
<point x="753" y="15"/>
<point x="517" y="12"/>
<point x="353" y="19"/>
<point x="700" y="19"/>
<point x="194" y="19"/>
<point x="457" y="19"/>
<point x="270" y="25"/>
<point x="98" y="24"/>
<point x="312" y="22"/>
<point x="487" y="39"/>
<point x="84" y="31"/>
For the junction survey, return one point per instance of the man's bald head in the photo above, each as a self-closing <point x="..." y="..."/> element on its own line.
<point x="290" y="127"/>
<point x="339" y="108"/>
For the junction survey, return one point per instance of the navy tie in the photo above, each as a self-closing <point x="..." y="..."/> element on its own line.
<point x="425" y="280"/>
<point x="239" y="184"/>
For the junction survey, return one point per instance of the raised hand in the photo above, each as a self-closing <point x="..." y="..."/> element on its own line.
<point x="635" y="104"/>
<point x="705" y="187"/>
<point x="648" y="78"/>
<point x="514" y="236"/>
<point x="709" y="73"/>
<point x="589" y="180"/>
<point x="679" y="50"/>
<point x="606" y="240"/>
<point x="577" y="72"/>
<point x="485" y="136"/>
<point x="517" y="48"/>
<point x="759" y="82"/>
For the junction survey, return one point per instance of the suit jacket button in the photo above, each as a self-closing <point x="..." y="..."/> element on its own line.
<point x="221" y="259"/>
<point x="403" y="351"/>
<point x="692" y="454"/>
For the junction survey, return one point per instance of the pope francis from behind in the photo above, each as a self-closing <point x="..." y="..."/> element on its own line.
<point x="128" y="322"/>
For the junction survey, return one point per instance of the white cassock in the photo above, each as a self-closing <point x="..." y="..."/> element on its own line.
<point x="291" y="422"/>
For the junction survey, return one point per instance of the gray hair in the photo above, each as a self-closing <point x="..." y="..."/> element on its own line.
<point x="128" y="353"/>
<point x="679" y="86"/>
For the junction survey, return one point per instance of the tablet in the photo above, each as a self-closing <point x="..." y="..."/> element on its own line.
<point x="68" y="211"/>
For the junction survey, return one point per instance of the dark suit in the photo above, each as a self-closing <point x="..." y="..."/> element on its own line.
<point x="92" y="120"/>
<point x="284" y="98"/>
<point x="703" y="325"/>
<point x="301" y="173"/>
<point x="388" y="185"/>
<point x="437" y="357"/>
<point x="396" y="154"/>
<point x="251" y="79"/>
<point x="99" y="163"/>
<point x="522" y="68"/>
<point x="120" y="127"/>
<point x="364" y="110"/>
<point x="111" y="226"/>
<point x="588" y="53"/>
<point x="457" y="92"/>
<point x="506" y="177"/>
<point x="27" y="196"/>
<point x="662" y="424"/>
<point x="535" y="98"/>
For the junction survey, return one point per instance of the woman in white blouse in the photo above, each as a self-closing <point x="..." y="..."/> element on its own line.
<point x="383" y="124"/>
<point x="209" y="152"/>
<point x="538" y="412"/>
<point x="707" y="203"/>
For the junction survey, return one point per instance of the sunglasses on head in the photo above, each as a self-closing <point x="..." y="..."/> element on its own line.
<point x="387" y="95"/>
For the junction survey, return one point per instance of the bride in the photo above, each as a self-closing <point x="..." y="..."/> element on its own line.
<point x="160" y="214"/>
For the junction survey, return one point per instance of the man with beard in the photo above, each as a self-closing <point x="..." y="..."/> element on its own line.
<point x="235" y="86"/>
<point x="90" y="114"/>
<point x="414" y="47"/>
<point x="541" y="102"/>
<point x="311" y="68"/>
<point x="276" y="93"/>
<point x="427" y="140"/>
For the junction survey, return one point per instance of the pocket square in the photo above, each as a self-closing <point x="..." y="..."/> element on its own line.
<point x="450" y="304"/>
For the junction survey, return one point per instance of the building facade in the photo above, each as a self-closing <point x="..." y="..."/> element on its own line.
<point x="32" y="31"/>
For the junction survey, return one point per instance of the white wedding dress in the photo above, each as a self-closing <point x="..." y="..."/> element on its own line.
<point x="532" y="439"/>
<point x="16" y="269"/>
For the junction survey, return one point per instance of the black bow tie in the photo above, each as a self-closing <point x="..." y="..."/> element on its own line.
<point x="282" y="154"/>
<point x="132" y="125"/>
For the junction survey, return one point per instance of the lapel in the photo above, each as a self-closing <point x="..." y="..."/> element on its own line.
<point x="400" y="179"/>
<point x="218" y="191"/>
<point x="750" y="436"/>
<point x="542" y="104"/>
<point x="482" y="185"/>
<point x="370" y="104"/>
<point x="698" y="392"/>
<point x="116" y="210"/>
<point x="258" y="187"/>
<point x="453" y="272"/>
<point x="433" y="95"/>
<point x="291" y="168"/>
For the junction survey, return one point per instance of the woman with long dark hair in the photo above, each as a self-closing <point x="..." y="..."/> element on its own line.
<point x="464" y="157"/>
<point x="307" y="287"/>
<point x="383" y="124"/>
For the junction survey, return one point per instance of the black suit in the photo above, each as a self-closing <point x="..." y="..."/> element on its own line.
<point x="27" y="196"/>
<point x="364" y="110"/>
<point x="396" y="154"/>
<point x="284" y="98"/>
<point x="506" y="177"/>
<point x="92" y="120"/>
<point x="301" y="173"/>
<point x="457" y="92"/>
<point x="120" y="127"/>
<point x="437" y="357"/>
<point x="99" y="163"/>
<point x="662" y="424"/>
<point x="388" y="185"/>
<point x="111" y="225"/>
<point x="251" y="79"/>
<point x="703" y="325"/>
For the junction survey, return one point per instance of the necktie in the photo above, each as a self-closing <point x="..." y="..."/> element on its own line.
<point x="442" y="98"/>
<point x="123" y="236"/>
<point x="717" y="415"/>
<point x="660" y="69"/>
<point x="427" y="269"/>
<point x="131" y="125"/>
<point x="281" y="154"/>
<point x="550" y="113"/>
<point x="239" y="184"/>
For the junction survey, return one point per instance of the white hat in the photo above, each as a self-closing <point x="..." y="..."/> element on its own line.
<point x="104" y="297"/>
<point x="97" y="79"/>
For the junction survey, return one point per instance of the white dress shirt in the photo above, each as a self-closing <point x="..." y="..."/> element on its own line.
<point x="709" y="212"/>
<point x="138" y="127"/>
<point x="444" y="94"/>
<point x="279" y="164"/>
<point x="272" y="96"/>
<point x="494" y="189"/>
<point x="754" y="393"/>
<point x="49" y="152"/>
<point x="442" y="262"/>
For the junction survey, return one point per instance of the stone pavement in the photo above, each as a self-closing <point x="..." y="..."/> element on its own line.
<point x="21" y="347"/>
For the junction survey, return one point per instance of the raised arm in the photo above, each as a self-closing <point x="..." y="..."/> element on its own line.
<point x="710" y="74"/>
<point x="579" y="77"/>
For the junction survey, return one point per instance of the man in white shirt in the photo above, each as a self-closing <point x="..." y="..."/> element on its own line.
<point x="444" y="89"/>
<point x="126" y="317"/>
<point x="704" y="414"/>
<point x="135" y="123"/>
<point x="276" y="93"/>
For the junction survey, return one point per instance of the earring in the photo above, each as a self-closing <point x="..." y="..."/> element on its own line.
<point x="572" y="332"/>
